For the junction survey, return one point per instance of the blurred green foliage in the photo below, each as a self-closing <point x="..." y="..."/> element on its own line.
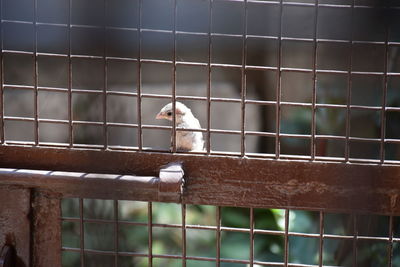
<point x="133" y="235"/>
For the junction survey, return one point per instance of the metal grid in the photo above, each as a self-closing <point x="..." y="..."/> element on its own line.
<point x="279" y="69"/>
<point x="355" y="235"/>
<point x="313" y="137"/>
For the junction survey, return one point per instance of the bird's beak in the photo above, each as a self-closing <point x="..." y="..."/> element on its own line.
<point x="160" y="116"/>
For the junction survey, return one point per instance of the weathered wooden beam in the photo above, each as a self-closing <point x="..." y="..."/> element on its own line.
<point x="218" y="180"/>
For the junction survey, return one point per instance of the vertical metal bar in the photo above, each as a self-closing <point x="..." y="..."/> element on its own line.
<point x="174" y="82"/>
<point x="116" y="230"/>
<point x="2" y="126"/>
<point x="150" y="229"/>
<point x="349" y="86"/>
<point x="286" y="238"/>
<point x="390" y="247"/>
<point x="183" y="206"/>
<point x="321" y="238"/>
<point x="105" y="128"/>
<point x="314" y="89"/>
<point x="82" y="233"/>
<point x="355" y="237"/>
<point x="243" y="87"/>
<point x="208" y="143"/>
<point x="218" y="237"/>
<point x="251" y="237"/>
<point x="384" y="93"/>
<point x="139" y="79"/>
<point x="35" y="75"/>
<point x="32" y="228"/>
<point x="70" y="115"/>
<point x="278" y="85"/>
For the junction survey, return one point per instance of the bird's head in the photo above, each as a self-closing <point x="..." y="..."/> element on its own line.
<point x="167" y="112"/>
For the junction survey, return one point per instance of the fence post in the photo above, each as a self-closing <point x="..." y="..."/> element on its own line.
<point x="15" y="223"/>
<point x="46" y="232"/>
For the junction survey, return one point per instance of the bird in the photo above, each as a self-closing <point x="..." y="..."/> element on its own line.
<point x="184" y="118"/>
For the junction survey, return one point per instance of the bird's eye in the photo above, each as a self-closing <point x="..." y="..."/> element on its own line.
<point x="169" y="113"/>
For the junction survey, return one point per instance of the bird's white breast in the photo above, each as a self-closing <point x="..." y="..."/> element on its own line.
<point x="189" y="141"/>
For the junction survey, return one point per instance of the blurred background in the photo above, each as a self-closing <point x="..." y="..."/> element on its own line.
<point x="269" y="246"/>
<point x="87" y="55"/>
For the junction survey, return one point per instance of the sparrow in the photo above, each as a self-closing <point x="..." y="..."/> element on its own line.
<point x="184" y="118"/>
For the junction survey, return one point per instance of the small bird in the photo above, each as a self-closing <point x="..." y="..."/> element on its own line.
<point x="184" y="118"/>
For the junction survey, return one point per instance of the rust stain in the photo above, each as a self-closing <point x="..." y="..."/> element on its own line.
<point x="10" y="239"/>
<point x="393" y="201"/>
<point x="294" y="187"/>
<point x="218" y="179"/>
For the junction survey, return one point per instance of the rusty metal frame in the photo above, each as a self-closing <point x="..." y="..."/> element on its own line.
<point x="240" y="179"/>
<point x="165" y="186"/>
<point x="227" y="181"/>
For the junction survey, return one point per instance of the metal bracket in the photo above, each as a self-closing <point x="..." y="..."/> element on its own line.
<point x="171" y="179"/>
<point x="7" y="256"/>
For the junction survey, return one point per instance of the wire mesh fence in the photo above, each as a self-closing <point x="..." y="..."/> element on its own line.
<point x="271" y="79"/>
<point x="314" y="80"/>
<point x="126" y="233"/>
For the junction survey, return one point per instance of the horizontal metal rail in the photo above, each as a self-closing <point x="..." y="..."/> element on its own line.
<point x="213" y="64"/>
<point x="232" y="229"/>
<point x="198" y="258"/>
<point x="167" y="186"/>
<point x="213" y="180"/>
